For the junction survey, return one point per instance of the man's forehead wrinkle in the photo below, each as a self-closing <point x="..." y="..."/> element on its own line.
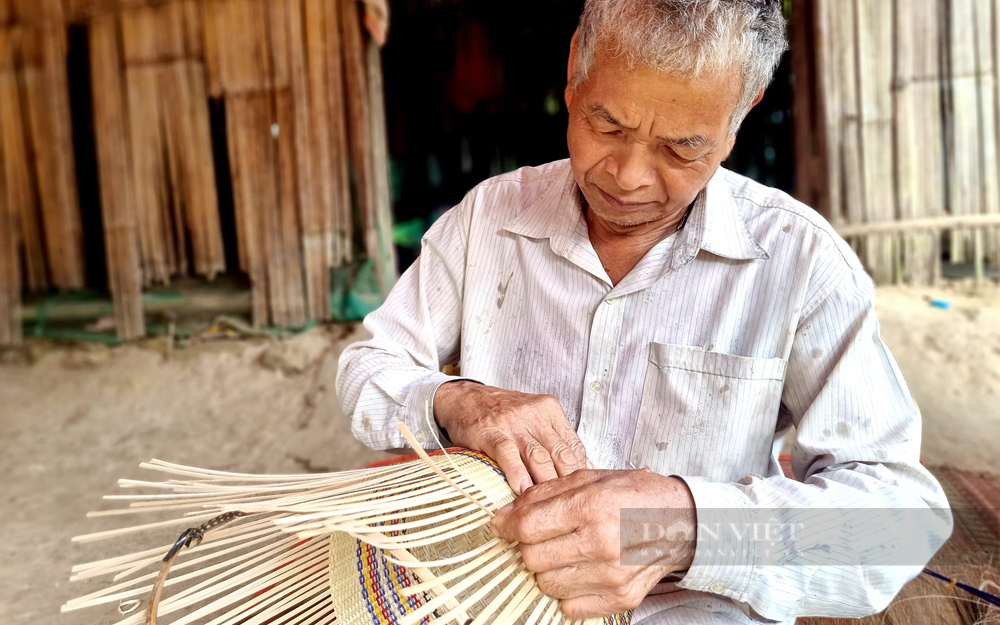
<point x="627" y="117"/>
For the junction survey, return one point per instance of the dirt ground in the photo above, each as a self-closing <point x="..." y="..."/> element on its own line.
<point x="73" y="419"/>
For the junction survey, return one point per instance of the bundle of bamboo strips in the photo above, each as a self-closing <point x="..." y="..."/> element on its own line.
<point x="173" y="170"/>
<point x="46" y="101"/>
<point x="40" y="224"/>
<point x="10" y="265"/>
<point x="300" y="84"/>
<point x="919" y="146"/>
<point x="20" y="196"/>
<point x="908" y="100"/>
<point x="874" y="36"/>
<point x="116" y="183"/>
<point x="284" y="69"/>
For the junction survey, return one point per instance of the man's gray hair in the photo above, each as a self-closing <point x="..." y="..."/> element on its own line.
<point x="687" y="37"/>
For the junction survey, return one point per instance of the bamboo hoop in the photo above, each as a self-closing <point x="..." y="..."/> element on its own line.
<point x="398" y="544"/>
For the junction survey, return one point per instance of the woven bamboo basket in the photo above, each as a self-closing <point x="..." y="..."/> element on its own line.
<point x="400" y="544"/>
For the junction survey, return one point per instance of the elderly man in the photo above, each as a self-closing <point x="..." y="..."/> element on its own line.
<point x="638" y="328"/>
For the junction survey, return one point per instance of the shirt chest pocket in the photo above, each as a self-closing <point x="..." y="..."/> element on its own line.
<point x="706" y="413"/>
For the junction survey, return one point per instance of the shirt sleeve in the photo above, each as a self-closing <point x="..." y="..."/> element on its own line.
<point x="393" y="376"/>
<point x="862" y="516"/>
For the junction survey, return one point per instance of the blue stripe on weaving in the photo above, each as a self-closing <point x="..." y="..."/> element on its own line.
<point x="364" y="587"/>
<point x="476" y="456"/>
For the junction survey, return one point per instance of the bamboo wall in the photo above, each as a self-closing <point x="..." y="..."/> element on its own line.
<point x="299" y="82"/>
<point x="897" y="129"/>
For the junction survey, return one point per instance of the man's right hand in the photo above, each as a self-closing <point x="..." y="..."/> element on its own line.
<point x="528" y="435"/>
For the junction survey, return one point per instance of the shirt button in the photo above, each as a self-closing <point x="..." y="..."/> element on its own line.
<point x="612" y="301"/>
<point x="596" y="386"/>
<point x="718" y="588"/>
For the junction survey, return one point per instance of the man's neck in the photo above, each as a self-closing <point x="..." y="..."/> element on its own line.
<point x="620" y="248"/>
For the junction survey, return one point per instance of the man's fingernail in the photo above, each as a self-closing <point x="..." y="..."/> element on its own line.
<point x="525" y="484"/>
<point x="506" y="508"/>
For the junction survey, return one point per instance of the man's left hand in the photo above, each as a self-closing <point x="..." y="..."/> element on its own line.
<point x="570" y="535"/>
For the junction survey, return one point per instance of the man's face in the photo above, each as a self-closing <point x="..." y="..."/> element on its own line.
<point x="643" y="143"/>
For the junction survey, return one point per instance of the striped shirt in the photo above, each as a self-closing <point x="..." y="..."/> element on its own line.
<point x="753" y="317"/>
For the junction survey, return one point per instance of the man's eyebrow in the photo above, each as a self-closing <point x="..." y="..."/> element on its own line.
<point x="603" y="113"/>
<point x="694" y="142"/>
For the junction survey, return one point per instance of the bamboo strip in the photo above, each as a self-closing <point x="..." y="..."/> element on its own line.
<point x="148" y="149"/>
<point x="46" y="101"/>
<point x="384" y="251"/>
<point x="189" y="146"/>
<point x="306" y="180"/>
<point x="946" y="222"/>
<point x="989" y="107"/>
<point x="289" y="244"/>
<point x="253" y="185"/>
<point x="316" y="140"/>
<point x="828" y="57"/>
<point x="849" y="157"/>
<point x="113" y="155"/>
<point x="914" y="154"/>
<point x="874" y="53"/>
<point x="10" y="266"/>
<point x="964" y="148"/>
<point x="358" y="111"/>
<point x="19" y="196"/>
<point x="340" y="219"/>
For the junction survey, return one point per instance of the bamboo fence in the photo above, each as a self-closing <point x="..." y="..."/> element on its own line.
<point x="897" y="121"/>
<point x="299" y="84"/>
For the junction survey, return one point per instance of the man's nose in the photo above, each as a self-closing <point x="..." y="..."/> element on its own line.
<point x="632" y="167"/>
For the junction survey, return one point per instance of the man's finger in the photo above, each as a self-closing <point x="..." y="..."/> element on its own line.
<point x="561" y="552"/>
<point x="565" y="446"/>
<point x="570" y="582"/>
<point x="558" y="486"/>
<point x="504" y="450"/>
<point x="591" y="606"/>
<point x="537" y="522"/>
<point x="538" y="460"/>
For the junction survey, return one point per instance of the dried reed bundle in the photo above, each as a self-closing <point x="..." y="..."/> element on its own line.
<point x="173" y="171"/>
<point x="45" y="108"/>
<point x="10" y="271"/>
<point x="400" y="544"/>
<point x="19" y="195"/>
<point x="117" y="209"/>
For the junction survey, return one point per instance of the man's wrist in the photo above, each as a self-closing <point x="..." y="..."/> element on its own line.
<point x="446" y="397"/>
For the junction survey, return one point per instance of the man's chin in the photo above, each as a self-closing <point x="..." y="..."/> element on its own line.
<point x="624" y="219"/>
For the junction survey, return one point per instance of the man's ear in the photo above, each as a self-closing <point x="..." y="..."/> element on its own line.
<point x="756" y="101"/>
<point x="571" y="67"/>
<point x="732" y="138"/>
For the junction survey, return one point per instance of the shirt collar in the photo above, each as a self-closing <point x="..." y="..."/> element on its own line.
<point x="714" y="224"/>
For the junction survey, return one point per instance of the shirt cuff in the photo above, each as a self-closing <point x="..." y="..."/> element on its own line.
<point x="725" y="554"/>
<point x="419" y="410"/>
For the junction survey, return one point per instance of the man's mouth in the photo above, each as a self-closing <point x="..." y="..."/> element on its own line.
<point x="619" y="204"/>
